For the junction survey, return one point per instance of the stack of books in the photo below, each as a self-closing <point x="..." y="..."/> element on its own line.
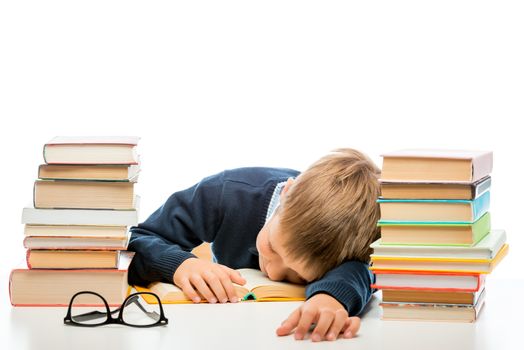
<point x="436" y="244"/>
<point x="76" y="231"/>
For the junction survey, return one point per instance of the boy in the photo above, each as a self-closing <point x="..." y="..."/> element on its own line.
<point x="313" y="228"/>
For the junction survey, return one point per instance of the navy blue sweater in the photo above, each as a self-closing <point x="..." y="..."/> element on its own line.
<point x="229" y="210"/>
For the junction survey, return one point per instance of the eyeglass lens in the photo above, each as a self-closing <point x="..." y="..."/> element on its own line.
<point x="88" y="309"/>
<point x="138" y="313"/>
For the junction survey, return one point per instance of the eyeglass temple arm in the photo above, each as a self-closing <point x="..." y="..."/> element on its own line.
<point x="93" y="315"/>
<point x="153" y="314"/>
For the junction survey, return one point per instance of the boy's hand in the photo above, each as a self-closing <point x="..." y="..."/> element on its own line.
<point x="212" y="281"/>
<point x="326" y="313"/>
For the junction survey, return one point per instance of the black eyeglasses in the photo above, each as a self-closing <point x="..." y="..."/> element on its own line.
<point x="132" y="312"/>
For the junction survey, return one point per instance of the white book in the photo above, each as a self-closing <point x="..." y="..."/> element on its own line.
<point x="31" y="215"/>
<point x="487" y="248"/>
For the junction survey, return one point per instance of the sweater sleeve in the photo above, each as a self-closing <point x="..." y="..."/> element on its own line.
<point x="349" y="283"/>
<point x="166" y="238"/>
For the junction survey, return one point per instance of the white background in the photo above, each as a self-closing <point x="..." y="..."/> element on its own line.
<point x="210" y="85"/>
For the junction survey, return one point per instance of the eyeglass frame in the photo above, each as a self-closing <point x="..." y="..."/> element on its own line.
<point x="68" y="319"/>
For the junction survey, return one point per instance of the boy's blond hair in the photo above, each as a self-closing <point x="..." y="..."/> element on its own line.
<point x="330" y="213"/>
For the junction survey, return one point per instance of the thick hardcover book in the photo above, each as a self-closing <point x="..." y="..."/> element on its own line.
<point x="434" y="210"/>
<point x="72" y="259"/>
<point x="432" y="312"/>
<point x="55" y="287"/>
<point x="89" y="172"/>
<point x="92" y="243"/>
<point x="424" y="296"/>
<point x="486" y="249"/>
<point x="91" y="150"/>
<point x="428" y="280"/>
<point x="434" y="190"/>
<point x="70" y="194"/>
<point x="435" y="233"/>
<point x="431" y="165"/>
<point x="37" y="216"/>
<point x="439" y="264"/>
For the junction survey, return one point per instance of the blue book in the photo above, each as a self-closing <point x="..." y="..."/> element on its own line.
<point x="433" y="210"/>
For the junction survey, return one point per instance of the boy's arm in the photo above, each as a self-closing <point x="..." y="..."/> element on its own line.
<point x="349" y="284"/>
<point x="165" y="240"/>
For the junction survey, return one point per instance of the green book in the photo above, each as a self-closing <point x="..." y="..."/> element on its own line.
<point x="435" y="233"/>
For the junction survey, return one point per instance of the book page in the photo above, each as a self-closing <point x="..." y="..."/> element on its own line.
<point x="266" y="289"/>
<point x="255" y="278"/>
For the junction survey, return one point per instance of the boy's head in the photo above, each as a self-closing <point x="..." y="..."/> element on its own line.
<point x="326" y="216"/>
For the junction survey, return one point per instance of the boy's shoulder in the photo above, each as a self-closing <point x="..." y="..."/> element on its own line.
<point x="258" y="176"/>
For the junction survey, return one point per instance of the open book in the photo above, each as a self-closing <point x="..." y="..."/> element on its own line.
<point x="258" y="288"/>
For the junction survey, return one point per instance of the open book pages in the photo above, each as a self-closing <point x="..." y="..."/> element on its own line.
<point x="258" y="287"/>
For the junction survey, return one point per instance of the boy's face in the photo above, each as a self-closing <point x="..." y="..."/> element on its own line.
<point x="272" y="256"/>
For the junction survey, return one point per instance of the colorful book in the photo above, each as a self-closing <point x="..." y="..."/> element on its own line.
<point x="72" y="259"/>
<point x="434" y="190"/>
<point x="429" y="165"/>
<point x="432" y="312"/>
<point x="84" y="194"/>
<point x="257" y="288"/>
<point x="91" y="150"/>
<point x="427" y="280"/>
<point x="55" y="287"/>
<point x="89" y="172"/>
<point x="439" y="264"/>
<point x="434" y="233"/>
<point x="39" y="216"/>
<point x="487" y="248"/>
<point x="433" y="210"/>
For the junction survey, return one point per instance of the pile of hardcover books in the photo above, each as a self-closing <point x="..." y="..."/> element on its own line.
<point x="76" y="232"/>
<point x="437" y="244"/>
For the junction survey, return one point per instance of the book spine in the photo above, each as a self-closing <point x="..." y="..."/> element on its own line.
<point x="482" y="166"/>
<point x="39" y="171"/>
<point x="481" y="187"/>
<point x="44" y="153"/>
<point x="27" y="258"/>
<point x="481" y="205"/>
<point x="34" y="194"/>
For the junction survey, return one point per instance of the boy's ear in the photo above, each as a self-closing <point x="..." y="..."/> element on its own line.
<point x="287" y="186"/>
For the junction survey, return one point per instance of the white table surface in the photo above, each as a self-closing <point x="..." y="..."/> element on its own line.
<point x="252" y="326"/>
